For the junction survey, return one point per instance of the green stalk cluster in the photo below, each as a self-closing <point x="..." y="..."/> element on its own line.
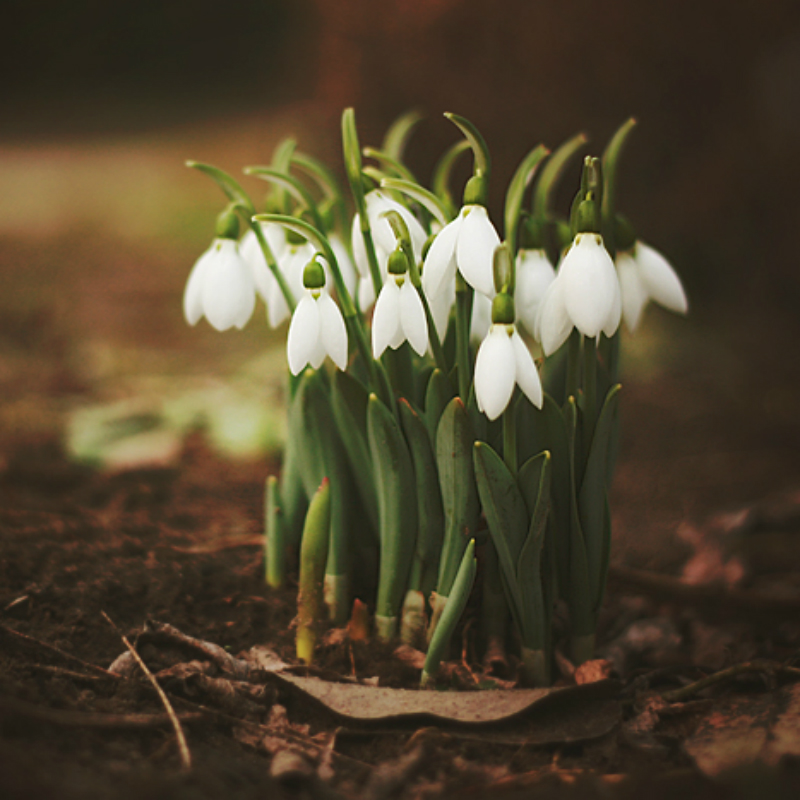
<point x="394" y="485"/>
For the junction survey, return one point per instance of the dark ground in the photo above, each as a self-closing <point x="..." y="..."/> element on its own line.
<point x="707" y="488"/>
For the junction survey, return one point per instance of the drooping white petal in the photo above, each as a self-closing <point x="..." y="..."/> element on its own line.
<point x="440" y="261"/>
<point x="477" y="241"/>
<point x="302" y="344"/>
<point x="634" y="293"/>
<point x="534" y="274"/>
<point x="527" y="375"/>
<point x="495" y="372"/>
<point x="440" y="305"/>
<point x="412" y="318"/>
<point x="193" y="293"/>
<point x="349" y="274"/>
<point x="277" y="309"/>
<point x="386" y="328"/>
<point x="553" y="325"/>
<point x="590" y="284"/>
<point x="359" y="249"/>
<point x="662" y="283"/>
<point x="229" y="295"/>
<point x="251" y="252"/>
<point x="481" y="317"/>
<point x="377" y="205"/>
<point x="366" y="293"/>
<point x="333" y="333"/>
<point x="611" y="325"/>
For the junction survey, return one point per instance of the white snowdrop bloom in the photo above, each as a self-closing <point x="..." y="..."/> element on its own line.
<point x="535" y="273"/>
<point x="481" y="317"/>
<point x="251" y="252"/>
<point x="346" y="266"/>
<point x="585" y="295"/>
<point x="383" y="239"/>
<point x="503" y="360"/>
<point x="467" y="244"/>
<point x="644" y="275"/>
<point x="220" y="288"/>
<point x="398" y="317"/>
<point x="317" y="330"/>
<point x="292" y="263"/>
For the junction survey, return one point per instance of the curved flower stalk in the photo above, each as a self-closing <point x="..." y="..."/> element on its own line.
<point x="378" y="204"/>
<point x="645" y="275"/>
<point x="317" y="328"/>
<point x="534" y="275"/>
<point x="584" y="295"/>
<point x="251" y="252"/>
<point x="220" y="287"/>
<point x="467" y="244"/>
<point x="399" y="315"/>
<point x="292" y="262"/>
<point x="504" y="361"/>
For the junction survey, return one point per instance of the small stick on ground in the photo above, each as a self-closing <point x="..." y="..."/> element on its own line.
<point x="685" y="692"/>
<point x="183" y="747"/>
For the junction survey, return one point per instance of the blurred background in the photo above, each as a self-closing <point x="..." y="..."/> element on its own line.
<point x="100" y="221"/>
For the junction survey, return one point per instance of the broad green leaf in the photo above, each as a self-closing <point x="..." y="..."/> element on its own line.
<point x="438" y="394"/>
<point x="454" y="441"/>
<point x="394" y="481"/>
<point x="394" y="142"/>
<point x="233" y="191"/>
<point x="516" y="193"/>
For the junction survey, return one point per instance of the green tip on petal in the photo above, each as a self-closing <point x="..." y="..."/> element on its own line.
<point x="314" y="274"/>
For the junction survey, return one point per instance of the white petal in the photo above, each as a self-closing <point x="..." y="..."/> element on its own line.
<point x="251" y="252"/>
<point x="590" y="284"/>
<point x="228" y="290"/>
<point x="277" y="309"/>
<point x="481" y="317"/>
<point x="440" y="306"/>
<point x="553" y="325"/>
<point x="495" y="372"/>
<point x="349" y="274"/>
<point x="386" y="319"/>
<point x="527" y="374"/>
<point x="333" y="333"/>
<point x="634" y="293"/>
<point x="477" y="241"/>
<point x="611" y="325"/>
<point x="359" y="249"/>
<point x="377" y="205"/>
<point x="412" y="318"/>
<point x="304" y="334"/>
<point x="366" y="293"/>
<point x="193" y="293"/>
<point x="534" y="274"/>
<point x="440" y="261"/>
<point x="662" y="283"/>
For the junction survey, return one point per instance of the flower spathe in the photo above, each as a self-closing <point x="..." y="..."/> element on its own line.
<point x="317" y="330"/>
<point x="467" y="244"/>
<point x="504" y="361"/>
<point x="220" y="288"/>
<point x="398" y="317"/>
<point x="584" y="295"/>
<point x="644" y="275"/>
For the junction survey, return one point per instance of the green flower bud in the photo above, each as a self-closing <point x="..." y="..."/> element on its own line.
<point x="476" y="192"/>
<point x="314" y="274"/>
<point x="397" y="264"/>
<point x="587" y="216"/>
<point x="228" y="224"/>
<point x="503" y="270"/>
<point x="531" y="233"/>
<point x="503" y="309"/>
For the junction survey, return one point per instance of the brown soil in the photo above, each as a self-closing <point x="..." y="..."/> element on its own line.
<point x="178" y="544"/>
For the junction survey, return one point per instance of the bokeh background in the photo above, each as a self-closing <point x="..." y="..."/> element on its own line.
<point x="100" y="221"/>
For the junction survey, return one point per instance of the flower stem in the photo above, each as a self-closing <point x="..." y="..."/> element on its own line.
<point x="589" y="389"/>
<point x="272" y="264"/>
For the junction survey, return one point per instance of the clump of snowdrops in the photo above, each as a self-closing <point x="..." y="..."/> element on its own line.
<point x="453" y="393"/>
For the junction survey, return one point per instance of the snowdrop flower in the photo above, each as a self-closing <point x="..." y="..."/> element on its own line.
<point x="504" y="361"/>
<point x="251" y="252"/>
<point x="220" y="287"/>
<point x="383" y="239"/>
<point x="317" y="328"/>
<point x="584" y="295"/>
<point x="644" y="275"/>
<point x="399" y="315"/>
<point x="293" y="260"/>
<point x="468" y="244"/>
<point x="535" y="273"/>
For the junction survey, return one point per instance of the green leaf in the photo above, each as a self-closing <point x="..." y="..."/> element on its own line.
<point x="611" y="156"/>
<point x="429" y="498"/>
<point x="483" y="161"/>
<point x="274" y="545"/>
<point x="292" y="186"/>
<point x="506" y="516"/>
<point x="394" y="481"/>
<point x="516" y="193"/>
<point x="456" y="603"/>
<point x="454" y="441"/>
<point x="416" y="192"/>
<point x="438" y="393"/>
<point x="441" y="175"/>
<point x="551" y="174"/>
<point x="349" y="400"/>
<point x="227" y="183"/>
<point x="594" y="489"/>
<point x="352" y="160"/>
